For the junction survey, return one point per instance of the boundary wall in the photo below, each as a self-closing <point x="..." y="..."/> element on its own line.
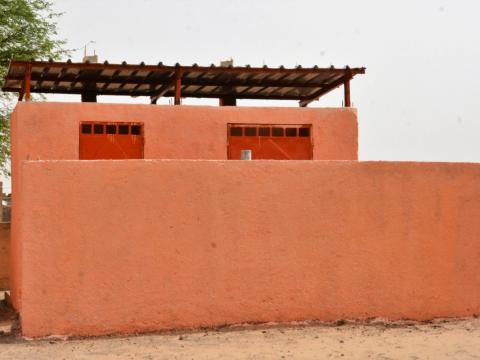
<point x="145" y="245"/>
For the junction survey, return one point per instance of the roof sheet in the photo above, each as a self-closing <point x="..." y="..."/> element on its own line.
<point x="304" y="84"/>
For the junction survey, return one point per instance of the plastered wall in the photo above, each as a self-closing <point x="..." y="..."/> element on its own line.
<point x="49" y="131"/>
<point x="141" y="245"/>
<point x="4" y="255"/>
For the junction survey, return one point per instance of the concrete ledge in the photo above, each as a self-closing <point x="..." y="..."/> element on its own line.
<point x="128" y="246"/>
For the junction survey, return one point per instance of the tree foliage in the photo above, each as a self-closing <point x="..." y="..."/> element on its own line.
<point x="27" y="31"/>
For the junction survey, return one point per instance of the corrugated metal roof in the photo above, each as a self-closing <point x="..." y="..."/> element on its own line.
<point x="154" y="81"/>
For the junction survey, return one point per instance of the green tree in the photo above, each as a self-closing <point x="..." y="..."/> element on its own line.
<point x="27" y="31"/>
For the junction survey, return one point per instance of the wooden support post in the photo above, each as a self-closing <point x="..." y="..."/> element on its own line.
<point x="28" y="76"/>
<point x="178" y="86"/>
<point x="227" y="101"/>
<point x="346" y="89"/>
<point x="89" y="96"/>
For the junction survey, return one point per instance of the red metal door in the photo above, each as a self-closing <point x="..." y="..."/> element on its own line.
<point x="100" y="140"/>
<point x="274" y="142"/>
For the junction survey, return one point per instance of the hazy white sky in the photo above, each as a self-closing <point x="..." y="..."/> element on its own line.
<point x="417" y="101"/>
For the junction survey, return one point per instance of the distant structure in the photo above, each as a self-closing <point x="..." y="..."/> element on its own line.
<point x="226" y="63"/>
<point x="92" y="59"/>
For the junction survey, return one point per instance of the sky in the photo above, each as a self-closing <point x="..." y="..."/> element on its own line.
<point x="417" y="100"/>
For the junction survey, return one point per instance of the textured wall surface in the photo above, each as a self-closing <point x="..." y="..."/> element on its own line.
<point x="4" y="255"/>
<point x="216" y="242"/>
<point x="49" y="131"/>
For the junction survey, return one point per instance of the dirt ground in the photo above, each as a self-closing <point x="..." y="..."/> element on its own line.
<point x="455" y="339"/>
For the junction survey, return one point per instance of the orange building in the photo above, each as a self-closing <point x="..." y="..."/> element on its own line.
<point x="131" y="218"/>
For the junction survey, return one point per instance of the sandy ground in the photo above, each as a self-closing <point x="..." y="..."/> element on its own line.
<point x="439" y="339"/>
<point x="458" y="339"/>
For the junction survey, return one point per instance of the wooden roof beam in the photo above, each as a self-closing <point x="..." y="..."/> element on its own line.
<point x="43" y="74"/>
<point x="170" y="92"/>
<point x="211" y="82"/>
<point x="191" y="82"/>
<point x="58" y="77"/>
<point x="127" y="82"/>
<point x="113" y="76"/>
<point x="140" y="83"/>
<point x="163" y="89"/>
<point x="324" y="90"/>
